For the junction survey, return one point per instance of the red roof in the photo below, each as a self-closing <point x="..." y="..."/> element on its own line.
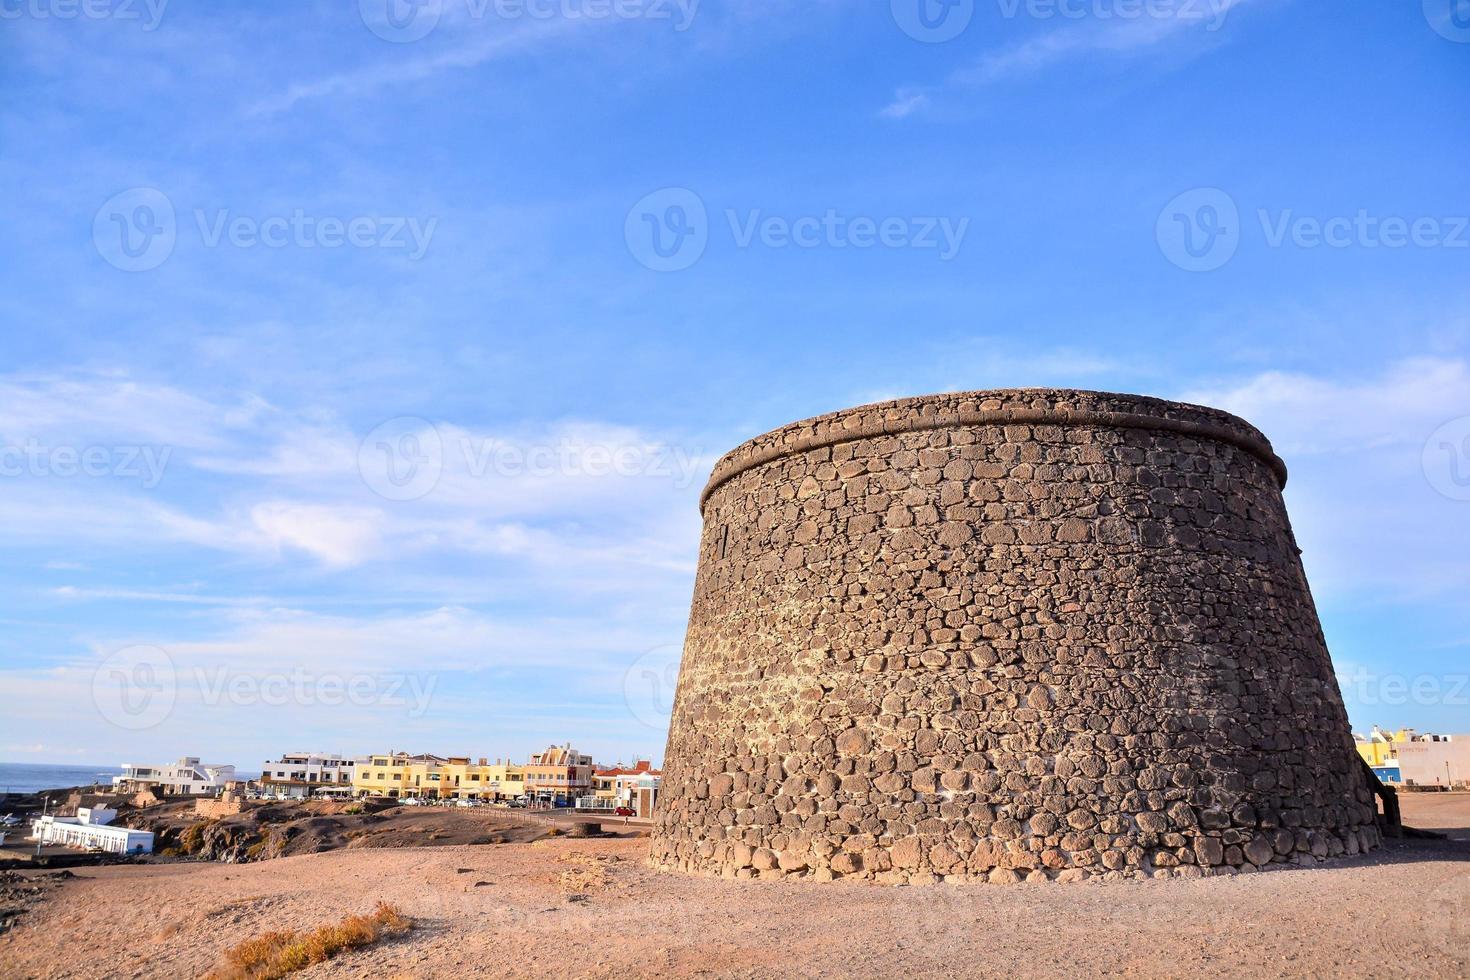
<point x="642" y="768"/>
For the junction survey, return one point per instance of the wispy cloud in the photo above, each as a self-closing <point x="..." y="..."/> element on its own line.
<point x="1305" y="414"/>
<point x="1155" y="27"/>
<point x="475" y="45"/>
<point x="1371" y="524"/>
<point x="906" y="102"/>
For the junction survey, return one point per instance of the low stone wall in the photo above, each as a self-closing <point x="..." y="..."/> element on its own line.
<point x="225" y="807"/>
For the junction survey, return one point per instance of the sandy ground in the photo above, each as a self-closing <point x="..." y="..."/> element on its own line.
<point x="592" y="908"/>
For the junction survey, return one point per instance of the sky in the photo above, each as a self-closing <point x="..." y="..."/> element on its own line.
<point x="363" y="362"/>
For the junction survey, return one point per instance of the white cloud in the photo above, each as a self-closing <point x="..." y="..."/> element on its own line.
<point x="338" y="536"/>
<point x="85" y="594"/>
<point x="491" y="41"/>
<point x="906" y="102"/>
<point x="1370" y="523"/>
<point x="88" y="408"/>
<point x="1152" y="29"/>
<point x="1304" y="414"/>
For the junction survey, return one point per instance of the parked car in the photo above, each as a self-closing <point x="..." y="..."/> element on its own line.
<point x="412" y="801"/>
<point x="624" y="811"/>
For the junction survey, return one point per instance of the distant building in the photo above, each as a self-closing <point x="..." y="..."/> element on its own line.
<point x="187" y="777"/>
<point x="300" y="774"/>
<point x="91" y="829"/>
<point x="398" y="775"/>
<point x="1408" y="758"/>
<point x="633" y="786"/>
<point x="558" y="775"/>
<point x="482" y="780"/>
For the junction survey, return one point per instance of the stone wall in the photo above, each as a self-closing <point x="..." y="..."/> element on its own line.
<point x="999" y="635"/>
<point x="226" y="805"/>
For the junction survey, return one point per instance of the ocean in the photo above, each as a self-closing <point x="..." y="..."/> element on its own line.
<point x="18" y="777"/>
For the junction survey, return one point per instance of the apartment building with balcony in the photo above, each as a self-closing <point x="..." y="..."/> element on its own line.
<point x="297" y="775"/>
<point x="187" y="777"/>
<point x="559" y="775"/>
<point x="398" y="775"/>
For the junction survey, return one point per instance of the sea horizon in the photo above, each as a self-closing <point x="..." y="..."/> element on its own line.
<point x="33" y="777"/>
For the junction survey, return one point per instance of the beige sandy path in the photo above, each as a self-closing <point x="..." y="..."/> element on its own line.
<point x="503" y="909"/>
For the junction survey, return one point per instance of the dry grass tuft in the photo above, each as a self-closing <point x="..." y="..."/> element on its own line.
<point x="281" y="952"/>
<point x="587" y="874"/>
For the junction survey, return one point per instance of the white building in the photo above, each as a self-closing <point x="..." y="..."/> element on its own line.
<point x="299" y="774"/>
<point x="90" y="829"/>
<point x="1434" y="760"/>
<point x="635" y="787"/>
<point x="188" y="776"/>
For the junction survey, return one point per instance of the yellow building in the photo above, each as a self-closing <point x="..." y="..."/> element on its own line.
<point x="399" y="775"/>
<point x="431" y="777"/>
<point x="481" y="781"/>
<point x="1380" y="748"/>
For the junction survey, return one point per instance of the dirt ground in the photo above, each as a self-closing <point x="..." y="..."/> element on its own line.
<point x="593" y="908"/>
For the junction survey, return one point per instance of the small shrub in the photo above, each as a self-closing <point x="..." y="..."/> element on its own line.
<point x="191" y="841"/>
<point x="282" y="952"/>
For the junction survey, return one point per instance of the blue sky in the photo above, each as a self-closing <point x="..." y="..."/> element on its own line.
<point x="547" y="263"/>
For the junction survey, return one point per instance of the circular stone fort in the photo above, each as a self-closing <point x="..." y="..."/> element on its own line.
<point x="1005" y="635"/>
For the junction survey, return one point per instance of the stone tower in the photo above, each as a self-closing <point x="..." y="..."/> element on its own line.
<point x="1005" y="634"/>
